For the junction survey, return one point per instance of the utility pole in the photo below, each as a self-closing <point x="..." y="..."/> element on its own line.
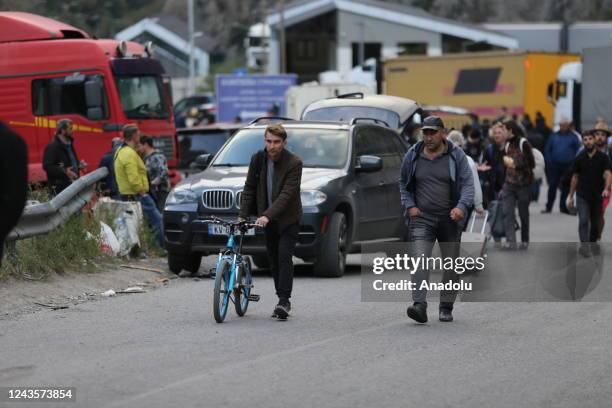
<point x="264" y="41"/>
<point x="283" y="44"/>
<point x="191" y="83"/>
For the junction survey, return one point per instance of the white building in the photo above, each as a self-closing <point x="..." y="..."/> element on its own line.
<point x="324" y="35"/>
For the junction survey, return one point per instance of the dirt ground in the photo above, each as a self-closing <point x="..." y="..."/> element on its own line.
<point x="18" y="297"/>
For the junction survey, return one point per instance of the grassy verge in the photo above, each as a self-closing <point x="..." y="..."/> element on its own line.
<point x="73" y="245"/>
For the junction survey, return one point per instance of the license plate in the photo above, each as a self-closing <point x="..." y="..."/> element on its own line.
<point x="216" y="229"/>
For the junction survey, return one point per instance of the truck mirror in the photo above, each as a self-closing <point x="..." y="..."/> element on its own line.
<point x="550" y="93"/>
<point x="93" y="93"/>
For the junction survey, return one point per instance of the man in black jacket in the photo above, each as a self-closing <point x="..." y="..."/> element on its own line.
<point x="60" y="160"/>
<point x="272" y="193"/>
<point x="13" y="181"/>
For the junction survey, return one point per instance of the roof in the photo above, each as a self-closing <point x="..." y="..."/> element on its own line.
<point x="394" y="13"/>
<point x="17" y="26"/>
<point x="171" y="30"/>
<point x="404" y="107"/>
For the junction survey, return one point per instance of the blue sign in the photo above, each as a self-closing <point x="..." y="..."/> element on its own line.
<point x="251" y="96"/>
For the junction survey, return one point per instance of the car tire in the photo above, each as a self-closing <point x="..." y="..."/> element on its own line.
<point x="332" y="261"/>
<point x="175" y="262"/>
<point x="193" y="262"/>
<point x="190" y="262"/>
<point x="261" y="261"/>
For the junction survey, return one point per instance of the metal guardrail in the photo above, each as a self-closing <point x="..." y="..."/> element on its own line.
<point x="42" y="218"/>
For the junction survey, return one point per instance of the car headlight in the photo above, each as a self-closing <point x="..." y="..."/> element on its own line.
<point x="182" y="196"/>
<point x="311" y="198"/>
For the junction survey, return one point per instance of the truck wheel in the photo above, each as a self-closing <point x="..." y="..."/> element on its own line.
<point x="175" y="262"/>
<point x="261" y="261"/>
<point x="332" y="261"/>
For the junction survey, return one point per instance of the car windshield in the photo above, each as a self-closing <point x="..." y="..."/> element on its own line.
<point x="346" y="113"/>
<point x="141" y="97"/>
<point x="327" y="148"/>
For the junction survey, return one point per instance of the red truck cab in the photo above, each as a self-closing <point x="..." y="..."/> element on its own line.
<point x="50" y="70"/>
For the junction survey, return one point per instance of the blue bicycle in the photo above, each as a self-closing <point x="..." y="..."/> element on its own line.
<point x="233" y="279"/>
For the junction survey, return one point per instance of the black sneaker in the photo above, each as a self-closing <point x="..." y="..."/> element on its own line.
<point x="281" y="311"/>
<point x="446" y="315"/>
<point x="523" y="246"/>
<point x="418" y="312"/>
<point x="595" y="249"/>
<point x="585" y="251"/>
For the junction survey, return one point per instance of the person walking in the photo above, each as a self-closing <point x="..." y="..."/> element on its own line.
<point x="493" y="169"/>
<point x="13" y="181"/>
<point x="601" y="134"/>
<point x="560" y="152"/>
<point x="457" y="138"/>
<point x="591" y="180"/>
<point x="132" y="182"/>
<point x="272" y="194"/>
<point x="60" y="160"/>
<point x="157" y="172"/>
<point x="437" y="191"/>
<point x="516" y="192"/>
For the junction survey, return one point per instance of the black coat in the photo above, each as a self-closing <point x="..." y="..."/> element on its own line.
<point x="286" y="208"/>
<point x="13" y="180"/>
<point x="56" y="160"/>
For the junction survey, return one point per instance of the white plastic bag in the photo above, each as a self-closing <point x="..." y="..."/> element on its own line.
<point x="108" y="240"/>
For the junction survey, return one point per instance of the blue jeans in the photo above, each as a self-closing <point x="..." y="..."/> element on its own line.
<point x="151" y="214"/>
<point x="423" y="232"/>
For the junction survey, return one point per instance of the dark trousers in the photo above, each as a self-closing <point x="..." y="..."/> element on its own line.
<point x="280" y="246"/>
<point x="589" y="218"/>
<point x="516" y="196"/>
<point x="555" y="174"/>
<point x="423" y="232"/>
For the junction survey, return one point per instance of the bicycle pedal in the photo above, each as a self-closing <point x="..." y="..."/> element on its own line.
<point x="254" y="298"/>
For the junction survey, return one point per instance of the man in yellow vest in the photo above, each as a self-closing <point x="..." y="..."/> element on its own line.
<point x="132" y="182"/>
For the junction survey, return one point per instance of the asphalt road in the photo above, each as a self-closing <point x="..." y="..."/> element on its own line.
<point x="163" y="349"/>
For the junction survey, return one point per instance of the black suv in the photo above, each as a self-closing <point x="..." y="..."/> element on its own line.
<point x="349" y="194"/>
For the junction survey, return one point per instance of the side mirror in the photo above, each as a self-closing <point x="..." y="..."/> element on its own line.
<point x="94" y="99"/>
<point x="201" y="162"/>
<point x="549" y="94"/>
<point x="368" y="164"/>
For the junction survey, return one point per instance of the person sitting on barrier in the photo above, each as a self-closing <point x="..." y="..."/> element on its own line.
<point x="13" y="181"/>
<point x="132" y="182"/>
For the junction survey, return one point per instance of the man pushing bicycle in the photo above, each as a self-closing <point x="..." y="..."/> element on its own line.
<point x="272" y="194"/>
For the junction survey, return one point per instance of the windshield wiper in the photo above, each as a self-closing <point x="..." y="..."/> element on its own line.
<point x="226" y="165"/>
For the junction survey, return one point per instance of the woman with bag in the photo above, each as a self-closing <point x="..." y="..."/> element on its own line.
<point x="516" y="192"/>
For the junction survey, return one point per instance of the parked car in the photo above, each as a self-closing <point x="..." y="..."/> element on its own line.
<point x="349" y="194"/>
<point x="200" y="140"/>
<point x="205" y="104"/>
<point x="393" y="111"/>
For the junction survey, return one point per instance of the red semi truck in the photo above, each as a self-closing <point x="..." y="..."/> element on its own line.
<point x="50" y="70"/>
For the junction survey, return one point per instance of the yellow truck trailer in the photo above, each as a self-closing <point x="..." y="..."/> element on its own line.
<point x="480" y="82"/>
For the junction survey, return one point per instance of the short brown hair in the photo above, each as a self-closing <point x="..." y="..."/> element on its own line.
<point x="277" y="130"/>
<point x="129" y="131"/>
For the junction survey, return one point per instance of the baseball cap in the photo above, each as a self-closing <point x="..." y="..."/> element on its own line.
<point x="433" y="123"/>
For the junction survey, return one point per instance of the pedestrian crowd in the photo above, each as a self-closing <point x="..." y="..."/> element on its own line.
<point x="136" y="171"/>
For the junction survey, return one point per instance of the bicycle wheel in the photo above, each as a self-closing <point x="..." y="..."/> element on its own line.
<point x="244" y="279"/>
<point x="222" y="292"/>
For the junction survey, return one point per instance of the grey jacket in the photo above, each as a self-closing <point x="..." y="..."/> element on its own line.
<point x="460" y="174"/>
